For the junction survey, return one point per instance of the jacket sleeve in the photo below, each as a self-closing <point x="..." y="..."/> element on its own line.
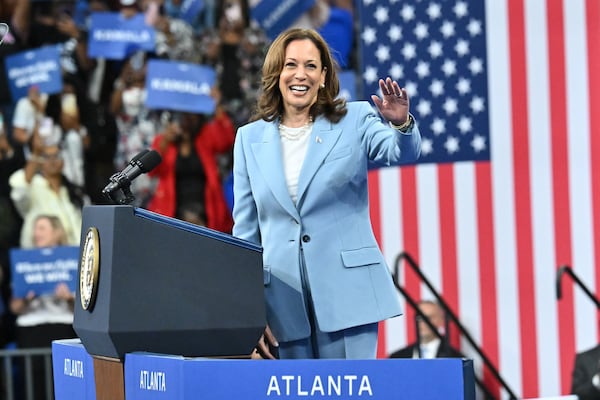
<point x="20" y="192"/>
<point x="385" y="145"/>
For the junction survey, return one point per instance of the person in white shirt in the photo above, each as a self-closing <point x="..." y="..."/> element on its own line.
<point x="41" y="188"/>
<point x="44" y="317"/>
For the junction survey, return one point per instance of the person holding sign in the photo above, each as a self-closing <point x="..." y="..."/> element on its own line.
<point x="300" y="191"/>
<point x="44" y="317"/>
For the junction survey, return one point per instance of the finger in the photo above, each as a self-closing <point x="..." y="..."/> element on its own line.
<point x="270" y="337"/>
<point x="396" y="89"/>
<point x="383" y="87"/>
<point x="263" y="349"/>
<point x="377" y="101"/>
<point x="404" y="94"/>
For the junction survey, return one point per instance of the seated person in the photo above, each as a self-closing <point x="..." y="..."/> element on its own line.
<point x="431" y="346"/>
<point x="586" y="374"/>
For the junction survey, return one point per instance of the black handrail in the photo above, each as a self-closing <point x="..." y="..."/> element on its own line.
<point x="449" y="313"/>
<point x="565" y="269"/>
<point x="414" y="304"/>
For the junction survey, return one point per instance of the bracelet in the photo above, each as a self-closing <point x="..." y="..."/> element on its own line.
<point x="406" y="124"/>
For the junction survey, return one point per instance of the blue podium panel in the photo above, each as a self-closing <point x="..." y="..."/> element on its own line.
<point x="73" y="370"/>
<point x="164" y="377"/>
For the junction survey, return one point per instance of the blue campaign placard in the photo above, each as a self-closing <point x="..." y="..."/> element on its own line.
<point x="177" y="86"/>
<point x="153" y="377"/>
<point x="347" y="85"/>
<point x="73" y="370"/>
<point x="274" y="16"/>
<point x="190" y="9"/>
<point x="39" y="67"/>
<point x="115" y="37"/>
<point x="40" y="270"/>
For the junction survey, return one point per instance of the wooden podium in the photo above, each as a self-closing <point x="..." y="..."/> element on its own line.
<point x="156" y="284"/>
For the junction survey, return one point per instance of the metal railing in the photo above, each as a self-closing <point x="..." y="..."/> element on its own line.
<point x="565" y="269"/>
<point x="17" y="381"/>
<point x="452" y="317"/>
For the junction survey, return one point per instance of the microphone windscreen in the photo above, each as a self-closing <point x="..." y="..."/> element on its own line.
<point x="149" y="161"/>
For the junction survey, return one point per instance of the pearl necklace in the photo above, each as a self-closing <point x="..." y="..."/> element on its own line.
<point x="295" y="133"/>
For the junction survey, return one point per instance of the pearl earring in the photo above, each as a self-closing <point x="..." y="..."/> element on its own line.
<point x="322" y="86"/>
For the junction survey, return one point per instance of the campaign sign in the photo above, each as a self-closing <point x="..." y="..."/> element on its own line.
<point x="153" y="377"/>
<point x="160" y="377"/>
<point x="177" y="86"/>
<point x="190" y="9"/>
<point x="73" y="370"/>
<point x="39" y="67"/>
<point x="275" y="16"/>
<point x="347" y="85"/>
<point x="115" y="37"/>
<point x="40" y="270"/>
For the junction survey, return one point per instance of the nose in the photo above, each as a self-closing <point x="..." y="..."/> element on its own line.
<point x="300" y="73"/>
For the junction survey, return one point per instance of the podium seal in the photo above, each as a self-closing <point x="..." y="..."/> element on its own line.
<point x="90" y="265"/>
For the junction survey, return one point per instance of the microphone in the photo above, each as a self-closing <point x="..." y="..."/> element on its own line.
<point x="143" y="162"/>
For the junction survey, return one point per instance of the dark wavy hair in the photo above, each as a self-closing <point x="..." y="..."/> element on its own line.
<point x="270" y="102"/>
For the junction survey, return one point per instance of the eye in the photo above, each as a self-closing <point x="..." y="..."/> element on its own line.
<point x="312" y="66"/>
<point x="290" y="64"/>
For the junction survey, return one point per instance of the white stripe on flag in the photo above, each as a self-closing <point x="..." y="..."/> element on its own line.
<point x="503" y="195"/>
<point x="580" y="167"/>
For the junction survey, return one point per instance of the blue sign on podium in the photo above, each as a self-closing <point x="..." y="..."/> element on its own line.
<point x="160" y="377"/>
<point x="163" y="377"/>
<point x="73" y="370"/>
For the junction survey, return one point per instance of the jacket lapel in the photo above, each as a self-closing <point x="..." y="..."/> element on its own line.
<point x="268" y="152"/>
<point x="322" y="140"/>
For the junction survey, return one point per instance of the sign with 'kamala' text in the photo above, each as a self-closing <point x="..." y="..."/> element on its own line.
<point x="39" y="67"/>
<point x="40" y="270"/>
<point x="115" y="37"/>
<point x="177" y="86"/>
<point x="275" y="16"/>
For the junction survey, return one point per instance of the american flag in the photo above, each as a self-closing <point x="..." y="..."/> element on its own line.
<point x="508" y="187"/>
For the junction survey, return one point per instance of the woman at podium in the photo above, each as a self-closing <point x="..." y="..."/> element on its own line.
<point x="300" y="191"/>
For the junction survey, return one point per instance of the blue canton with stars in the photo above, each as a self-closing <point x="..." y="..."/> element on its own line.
<point x="436" y="49"/>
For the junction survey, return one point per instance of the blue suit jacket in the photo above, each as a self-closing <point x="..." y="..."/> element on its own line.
<point x="348" y="278"/>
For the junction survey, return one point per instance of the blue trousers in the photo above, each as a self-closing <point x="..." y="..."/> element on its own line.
<point x="358" y="342"/>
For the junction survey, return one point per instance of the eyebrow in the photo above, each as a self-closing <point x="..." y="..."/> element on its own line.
<point x="293" y="59"/>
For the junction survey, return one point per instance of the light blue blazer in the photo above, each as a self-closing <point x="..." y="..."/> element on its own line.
<point x="349" y="281"/>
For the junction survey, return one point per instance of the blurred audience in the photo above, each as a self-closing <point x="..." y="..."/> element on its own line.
<point x="44" y="317"/>
<point x="189" y="187"/>
<point x="136" y="124"/>
<point x="235" y="48"/>
<point x="41" y="188"/>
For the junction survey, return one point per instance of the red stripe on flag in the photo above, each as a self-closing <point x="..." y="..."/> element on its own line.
<point x="375" y="213"/>
<point x="448" y="241"/>
<point x="410" y="235"/>
<point x="487" y="273"/>
<point x="593" y="38"/>
<point x="521" y="172"/>
<point x="560" y="179"/>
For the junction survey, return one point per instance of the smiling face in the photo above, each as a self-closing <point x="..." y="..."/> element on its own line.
<point x="301" y="76"/>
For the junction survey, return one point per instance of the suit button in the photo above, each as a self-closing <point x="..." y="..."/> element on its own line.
<point x="306" y="238"/>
